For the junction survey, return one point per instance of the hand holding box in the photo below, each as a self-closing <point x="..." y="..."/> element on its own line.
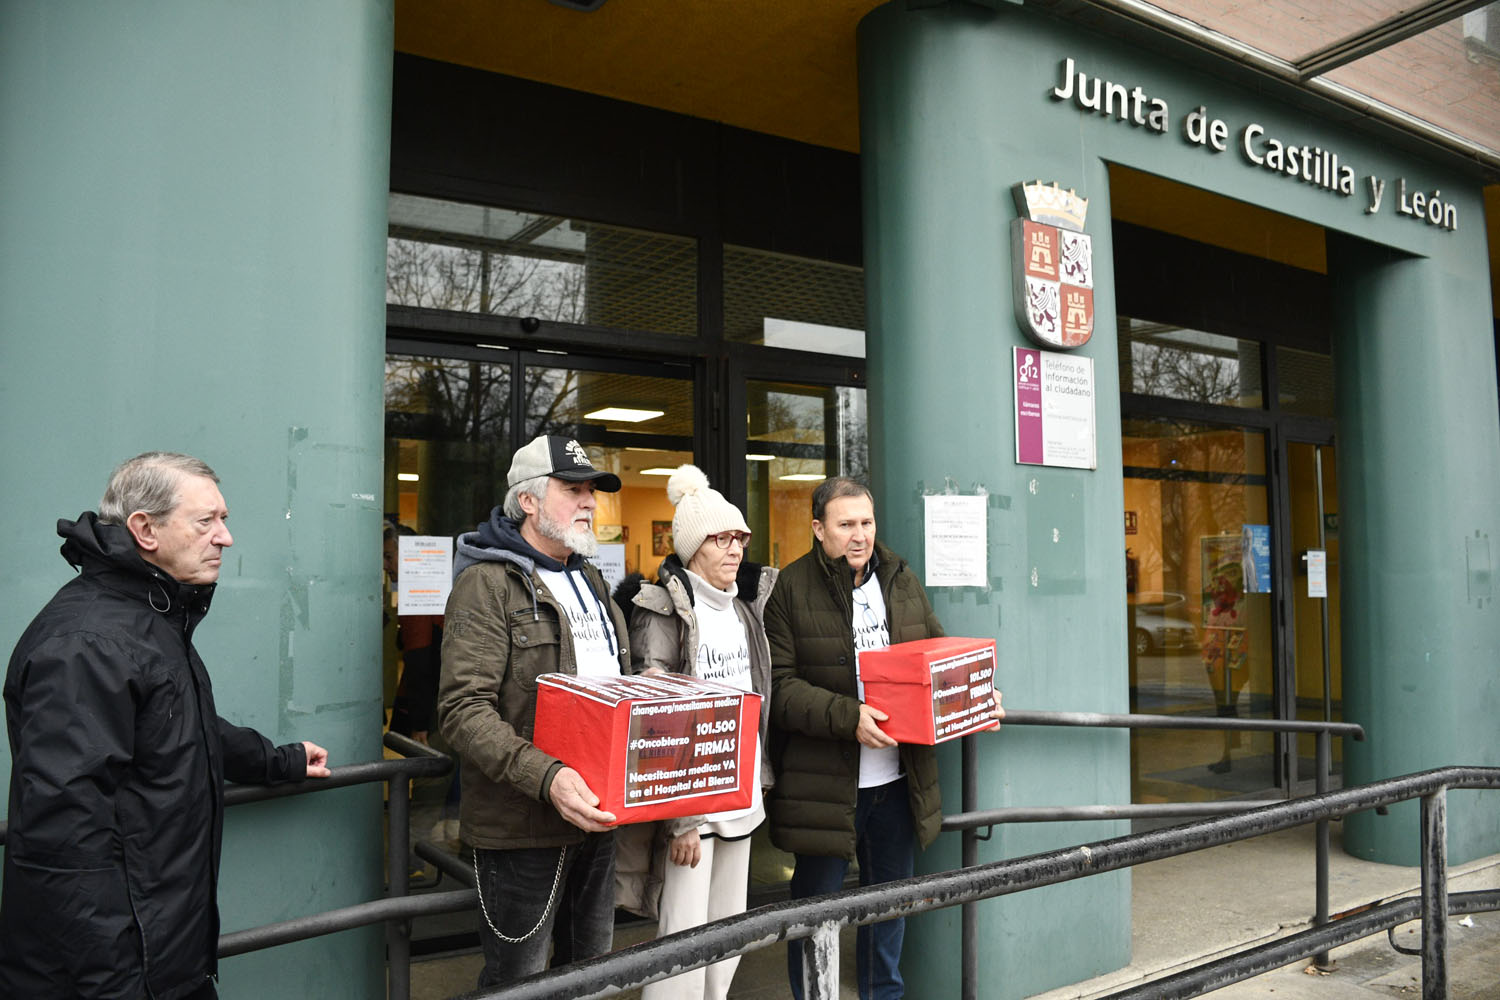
<point x="934" y="690"/>
<point x="652" y="747"/>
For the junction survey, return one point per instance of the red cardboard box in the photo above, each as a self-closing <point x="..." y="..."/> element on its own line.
<point x="933" y="689"/>
<point x="652" y="747"/>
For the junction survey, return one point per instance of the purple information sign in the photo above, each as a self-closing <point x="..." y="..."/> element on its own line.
<point x="1054" y="409"/>
<point x="1028" y="363"/>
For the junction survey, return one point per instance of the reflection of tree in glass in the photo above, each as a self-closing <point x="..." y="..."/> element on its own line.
<point x="467" y="279"/>
<point x="440" y="399"/>
<point x="827" y="426"/>
<point x="446" y="400"/>
<point x="551" y="402"/>
<point x="1176" y="373"/>
<point x="854" y="434"/>
<point x="452" y="419"/>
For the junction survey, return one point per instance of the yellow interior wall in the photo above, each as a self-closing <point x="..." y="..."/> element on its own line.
<point x="1308" y="611"/>
<point x="641" y="505"/>
<point x="1193" y="213"/>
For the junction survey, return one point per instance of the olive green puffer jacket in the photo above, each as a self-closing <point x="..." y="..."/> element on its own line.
<point x="815" y="708"/>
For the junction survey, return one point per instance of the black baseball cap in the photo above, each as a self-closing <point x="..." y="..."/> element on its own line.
<point x="561" y="457"/>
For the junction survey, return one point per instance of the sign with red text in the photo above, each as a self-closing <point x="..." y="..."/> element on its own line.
<point x="424" y="574"/>
<point x="934" y="690"/>
<point x="652" y="747"/>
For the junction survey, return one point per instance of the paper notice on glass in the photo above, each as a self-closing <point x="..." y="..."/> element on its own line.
<point x="425" y="576"/>
<point x="956" y="533"/>
<point x="1317" y="573"/>
<point x="610" y="559"/>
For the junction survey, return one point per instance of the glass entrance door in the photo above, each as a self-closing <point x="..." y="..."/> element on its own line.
<point x="639" y="427"/>
<point x="1316" y="688"/>
<point x="1199" y="615"/>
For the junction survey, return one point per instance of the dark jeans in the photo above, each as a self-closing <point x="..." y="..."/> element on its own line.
<point x="884" y="844"/>
<point x="516" y="887"/>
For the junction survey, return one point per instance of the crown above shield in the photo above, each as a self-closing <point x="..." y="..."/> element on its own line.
<point x="1050" y="204"/>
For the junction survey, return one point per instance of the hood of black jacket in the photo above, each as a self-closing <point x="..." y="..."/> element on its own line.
<point x="108" y="552"/>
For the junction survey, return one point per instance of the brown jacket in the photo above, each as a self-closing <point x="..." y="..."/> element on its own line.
<point x="503" y="629"/>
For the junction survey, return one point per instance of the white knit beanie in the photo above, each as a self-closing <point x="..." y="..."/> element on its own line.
<point x="701" y="511"/>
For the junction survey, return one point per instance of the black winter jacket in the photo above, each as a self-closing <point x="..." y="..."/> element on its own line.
<point x="116" y="803"/>
<point x="815" y="708"/>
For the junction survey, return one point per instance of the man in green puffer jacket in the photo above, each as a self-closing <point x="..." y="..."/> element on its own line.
<point x="844" y="789"/>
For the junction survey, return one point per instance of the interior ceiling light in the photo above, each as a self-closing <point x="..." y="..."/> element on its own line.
<point x="760" y="458"/>
<point x="665" y="472"/>
<point x="803" y="477"/>
<point x="624" y="414"/>
<point x="408" y="477"/>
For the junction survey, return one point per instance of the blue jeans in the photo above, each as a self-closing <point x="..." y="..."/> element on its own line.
<point x="515" y="889"/>
<point x="884" y="844"/>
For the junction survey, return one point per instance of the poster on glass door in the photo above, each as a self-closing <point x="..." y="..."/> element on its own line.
<point x="1054" y="409"/>
<point x="425" y="576"/>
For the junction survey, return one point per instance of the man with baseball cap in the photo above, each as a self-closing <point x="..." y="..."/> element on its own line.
<point x="525" y="602"/>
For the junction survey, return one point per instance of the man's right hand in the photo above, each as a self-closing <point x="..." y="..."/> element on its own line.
<point x="575" y="803"/>
<point x="869" y="732"/>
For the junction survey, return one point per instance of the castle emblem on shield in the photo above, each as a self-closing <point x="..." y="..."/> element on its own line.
<point x="1053" y="266"/>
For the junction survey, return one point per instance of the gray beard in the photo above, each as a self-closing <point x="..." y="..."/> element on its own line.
<point x="580" y="540"/>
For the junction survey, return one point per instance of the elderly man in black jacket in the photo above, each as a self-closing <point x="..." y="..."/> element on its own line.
<point x="118" y="756"/>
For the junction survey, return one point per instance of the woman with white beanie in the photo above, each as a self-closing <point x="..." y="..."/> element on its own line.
<point x="697" y="621"/>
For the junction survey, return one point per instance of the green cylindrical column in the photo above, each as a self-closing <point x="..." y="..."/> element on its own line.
<point x="941" y="148"/>
<point x="192" y="233"/>
<point x="1419" y="491"/>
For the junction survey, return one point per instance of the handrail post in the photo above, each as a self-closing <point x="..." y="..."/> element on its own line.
<point x="1435" y="895"/>
<point x="1325" y="765"/>
<point x="969" y="937"/>
<point x="398" y="932"/>
<point x="820" y="963"/>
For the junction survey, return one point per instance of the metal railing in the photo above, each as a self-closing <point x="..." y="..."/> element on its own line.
<point x="397" y="908"/>
<point x="970" y="821"/>
<point x="821" y="917"/>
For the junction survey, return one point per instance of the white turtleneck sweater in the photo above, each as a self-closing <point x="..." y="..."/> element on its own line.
<point x="724" y="655"/>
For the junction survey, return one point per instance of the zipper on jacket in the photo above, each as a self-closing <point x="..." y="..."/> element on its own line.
<point x="140" y="931"/>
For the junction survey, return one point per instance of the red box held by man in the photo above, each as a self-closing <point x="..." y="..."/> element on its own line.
<point x="652" y="747"/>
<point x="933" y="689"/>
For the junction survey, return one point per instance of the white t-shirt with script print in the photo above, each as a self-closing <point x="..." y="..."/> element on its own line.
<point x="724" y="655"/>
<point x="877" y="765"/>
<point x="594" y="641"/>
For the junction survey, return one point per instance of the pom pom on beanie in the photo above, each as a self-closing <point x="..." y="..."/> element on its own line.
<point x="701" y="511"/>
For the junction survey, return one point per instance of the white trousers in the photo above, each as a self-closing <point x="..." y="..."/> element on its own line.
<point x="694" y="896"/>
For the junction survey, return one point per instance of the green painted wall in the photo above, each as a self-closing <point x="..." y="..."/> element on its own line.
<point x="192" y="232"/>
<point x="941" y="148"/>
<point x="1418" y="478"/>
<point x="957" y="106"/>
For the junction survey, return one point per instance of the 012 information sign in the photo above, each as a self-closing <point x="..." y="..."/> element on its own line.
<point x="1054" y="409"/>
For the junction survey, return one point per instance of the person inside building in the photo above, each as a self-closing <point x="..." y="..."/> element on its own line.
<point x="844" y="789"/>
<point x="118" y="755"/>
<point x="525" y="602"/>
<point x="696" y="620"/>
